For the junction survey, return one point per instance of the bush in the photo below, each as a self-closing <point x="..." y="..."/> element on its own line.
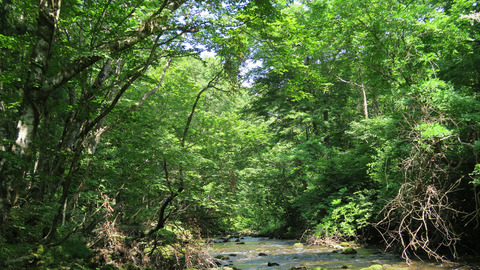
<point x="347" y="216"/>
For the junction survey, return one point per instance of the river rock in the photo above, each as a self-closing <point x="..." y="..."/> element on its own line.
<point x="349" y="251"/>
<point x="374" y="267"/>
<point x="262" y="254"/>
<point x="298" y="245"/>
<point x="222" y="257"/>
<point x="298" y="268"/>
<point x="272" y="264"/>
<point x="240" y="243"/>
<point x="230" y="268"/>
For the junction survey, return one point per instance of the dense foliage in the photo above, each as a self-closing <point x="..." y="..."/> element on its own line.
<point x="369" y="100"/>
<point x="123" y="143"/>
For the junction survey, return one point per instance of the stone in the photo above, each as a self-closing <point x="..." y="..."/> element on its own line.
<point x="222" y="257"/>
<point x="349" y="251"/>
<point x="374" y="267"/>
<point x="298" y="245"/>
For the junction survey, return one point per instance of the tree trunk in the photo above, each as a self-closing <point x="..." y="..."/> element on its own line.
<point x="12" y="173"/>
<point x="365" y="104"/>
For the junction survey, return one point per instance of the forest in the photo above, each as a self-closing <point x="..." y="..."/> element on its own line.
<point x="133" y="130"/>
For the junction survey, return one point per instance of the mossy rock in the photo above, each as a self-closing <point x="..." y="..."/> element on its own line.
<point x="345" y="244"/>
<point x="374" y="267"/>
<point x="222" y="257"/>
<point x="349" y="251"/>
<point x="298" y="245"/>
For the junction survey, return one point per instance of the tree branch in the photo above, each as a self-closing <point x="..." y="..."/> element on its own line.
<point x="149" y="27"/>
<point x="211" y="84"/>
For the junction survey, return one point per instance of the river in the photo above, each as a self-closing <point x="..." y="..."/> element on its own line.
<point x="259" y="253"/>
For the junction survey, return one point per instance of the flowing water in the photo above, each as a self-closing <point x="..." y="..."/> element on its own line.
<point x="259" y="253"/>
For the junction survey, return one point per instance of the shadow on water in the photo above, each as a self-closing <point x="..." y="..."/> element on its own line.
<point x="259" y="253"/>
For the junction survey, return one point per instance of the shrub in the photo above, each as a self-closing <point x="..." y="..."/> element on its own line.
<point x="347" y="216"/>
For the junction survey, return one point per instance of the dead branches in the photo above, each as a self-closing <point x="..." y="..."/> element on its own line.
<point x="420" y="219"/>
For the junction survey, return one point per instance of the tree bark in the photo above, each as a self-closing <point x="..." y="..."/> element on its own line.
<point x="11" y="174"/>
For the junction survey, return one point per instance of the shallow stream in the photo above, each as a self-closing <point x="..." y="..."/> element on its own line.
<point x="259" y="253"/>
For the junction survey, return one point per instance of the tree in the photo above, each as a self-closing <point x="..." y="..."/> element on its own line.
<point x="383" y="73"/>
<point x="68" y="67"/>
